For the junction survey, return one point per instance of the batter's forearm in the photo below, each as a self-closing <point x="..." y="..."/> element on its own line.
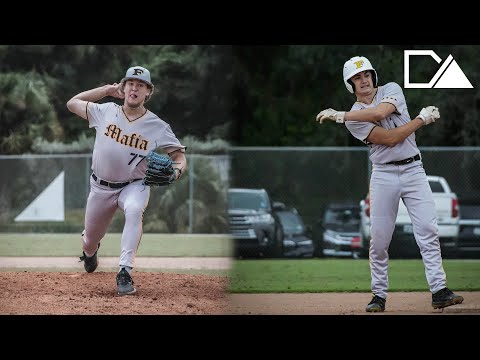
<point x="366" y="115"/>
<point x="377" y="113"/>
<point x="400" y="133"/>
<point x="392" y="137"/>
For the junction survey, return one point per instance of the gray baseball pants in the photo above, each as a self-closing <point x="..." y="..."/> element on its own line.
<point x="389" y="184"/>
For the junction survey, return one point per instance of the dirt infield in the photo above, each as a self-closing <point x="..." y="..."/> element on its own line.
<point x="26" y="289"/>
<point x="398" y="303"/>
<point x="59" y="293"/>
<point x="29" y="291"/>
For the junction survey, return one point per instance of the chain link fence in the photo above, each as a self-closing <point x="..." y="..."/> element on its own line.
<point x="306" y="178"/>
<point x="311" y="177"/>
<point x="195" y="204"/>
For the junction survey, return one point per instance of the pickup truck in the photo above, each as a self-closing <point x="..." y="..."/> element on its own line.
<point x="403" y="241"/>
<point x="253" y="224"/>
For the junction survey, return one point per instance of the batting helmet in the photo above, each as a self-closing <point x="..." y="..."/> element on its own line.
<point x="355" y="65"/>
<point x="142" y="74"/>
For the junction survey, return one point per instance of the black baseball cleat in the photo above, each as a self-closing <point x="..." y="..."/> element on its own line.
<point x="376" y="305"/>
<point x="445" y="297"/>
<point x="125" y="283"/>
<point x="90" y="263"/>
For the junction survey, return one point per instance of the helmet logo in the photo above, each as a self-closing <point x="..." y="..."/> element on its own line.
<point x="358" y="64"/>
<point x="137" y="71"/>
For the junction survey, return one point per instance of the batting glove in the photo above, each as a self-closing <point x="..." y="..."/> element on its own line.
<point x="330" y="114"/>
<point x="429" y="114"/>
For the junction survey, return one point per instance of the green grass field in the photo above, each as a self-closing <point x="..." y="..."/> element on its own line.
<point x="343" y="275"/>
<point x="54" y="244"/>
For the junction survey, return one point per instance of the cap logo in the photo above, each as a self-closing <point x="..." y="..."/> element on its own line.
<point x="358" y="64"/>
<point x="137" y="71"/>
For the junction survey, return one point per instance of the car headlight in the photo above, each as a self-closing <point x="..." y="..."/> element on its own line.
<point x="305" y="242"/>
<point x="264" y="218"/>
<point x="331" y="233"/>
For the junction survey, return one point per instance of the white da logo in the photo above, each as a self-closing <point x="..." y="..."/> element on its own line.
<point x="449" y="76"/>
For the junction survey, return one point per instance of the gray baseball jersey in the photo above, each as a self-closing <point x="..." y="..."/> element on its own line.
<point x="380" y="154"/>
<point x="122" y="144"/>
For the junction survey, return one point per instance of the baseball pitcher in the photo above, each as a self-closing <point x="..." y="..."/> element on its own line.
<point x="126" y="135"/>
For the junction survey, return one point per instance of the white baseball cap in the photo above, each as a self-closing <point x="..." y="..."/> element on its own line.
<point x="139" y="73"/>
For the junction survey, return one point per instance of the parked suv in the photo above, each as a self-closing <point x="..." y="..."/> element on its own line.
<point x="254" y="227"/>
<point x="403" y="240"/>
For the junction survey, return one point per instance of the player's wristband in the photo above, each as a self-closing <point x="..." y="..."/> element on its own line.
<point x="179" y="172"/>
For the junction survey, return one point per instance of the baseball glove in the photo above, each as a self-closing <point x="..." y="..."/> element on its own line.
<point x="160" y="171"/>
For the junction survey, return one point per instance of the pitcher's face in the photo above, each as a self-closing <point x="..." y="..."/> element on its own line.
<point x="136" y="92"/>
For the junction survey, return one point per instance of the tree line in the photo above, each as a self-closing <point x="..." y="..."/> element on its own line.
<point x="280" y="89"/>
<point x="264" y="95"/>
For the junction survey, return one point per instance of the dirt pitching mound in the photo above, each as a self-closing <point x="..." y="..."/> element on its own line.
<point x="72" y="293"/>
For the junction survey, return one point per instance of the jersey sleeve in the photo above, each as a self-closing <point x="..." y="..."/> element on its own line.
<point x="96" y="113"/>
<point x="393" y="94"/>
<point x="169" y="141"/>
<point x="360" y="129"/>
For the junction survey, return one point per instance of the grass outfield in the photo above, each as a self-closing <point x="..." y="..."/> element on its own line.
<point x="53" y="244"/>
<point x="343" y="275"/>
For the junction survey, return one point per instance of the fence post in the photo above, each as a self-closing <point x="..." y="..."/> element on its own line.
<point x="87" y="175"/>
<point x="369" y="172"/>
<point x="191" y="175"/>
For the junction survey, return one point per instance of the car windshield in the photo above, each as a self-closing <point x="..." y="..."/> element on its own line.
<point x="291" y="222"/>
<point x="244" y="200"/>
<point x="342" y="219"/>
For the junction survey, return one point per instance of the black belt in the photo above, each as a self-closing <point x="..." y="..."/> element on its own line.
<point x="405" y="161"/>
<point x="111" y="185"/>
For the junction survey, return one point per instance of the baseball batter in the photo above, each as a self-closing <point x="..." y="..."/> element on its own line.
<point x="125" y="134"/>
<point x="380" y="119"/>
